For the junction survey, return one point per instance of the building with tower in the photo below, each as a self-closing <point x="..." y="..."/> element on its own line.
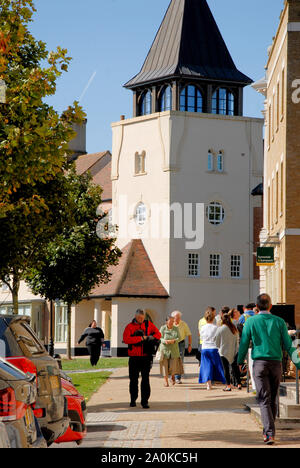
<point x="185" y="172"/>
<point x="187" y="161"/>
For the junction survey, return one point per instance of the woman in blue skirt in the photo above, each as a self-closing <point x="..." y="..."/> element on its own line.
<point x="211" y="369"/>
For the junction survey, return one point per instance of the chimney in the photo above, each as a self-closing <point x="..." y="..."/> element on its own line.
<point x="78" y="144"/>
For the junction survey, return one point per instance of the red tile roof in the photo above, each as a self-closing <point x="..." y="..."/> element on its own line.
<point x="85" y="162"/>
<point x="99" y="166"/>
<point x="134" y="276"/>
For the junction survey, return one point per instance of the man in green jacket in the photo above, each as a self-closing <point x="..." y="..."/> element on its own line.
<point x="268" y="334"/>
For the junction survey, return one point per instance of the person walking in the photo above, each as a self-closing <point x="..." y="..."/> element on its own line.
<point x="94" y="341"/>
<point x="249" y="311"/>
<point x="170" y="361"/>
<point x="211" y="369"/>
<point x="201" y="324"/>
<point x="227" y="341"/>
<point x="268" y="334"/>
<point x="137" y="335"/>
<point x="219" y="317"/>
<point x="184" y="332"/>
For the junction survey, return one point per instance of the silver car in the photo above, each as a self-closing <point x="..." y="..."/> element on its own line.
<point x="4" y="440"/>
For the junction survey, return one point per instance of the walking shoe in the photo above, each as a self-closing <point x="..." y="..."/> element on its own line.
<point x="133" y="404"/>
<point x="269" y="440"/>
<point x="145" y="406"/>
<point x="178" y="381"/>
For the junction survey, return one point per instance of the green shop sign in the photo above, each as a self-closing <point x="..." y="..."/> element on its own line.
<point x="265" y="256"/>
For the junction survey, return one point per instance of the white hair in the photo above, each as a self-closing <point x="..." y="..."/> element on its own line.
<point x="176" y="312"/>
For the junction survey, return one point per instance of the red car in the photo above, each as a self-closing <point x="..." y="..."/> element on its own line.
<point x="76" y="412"/>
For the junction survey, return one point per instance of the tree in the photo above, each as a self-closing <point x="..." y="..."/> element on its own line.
<point x="76" y="260"/>
<point x="33" y="137"/>
<point x="33" y="144"/>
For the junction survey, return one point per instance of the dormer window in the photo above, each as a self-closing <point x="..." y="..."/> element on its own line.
<point x="146" y="103"/>
<point x="223" y="102"/>
<point x="191" y="99"/>
<point x="165" y="103"/>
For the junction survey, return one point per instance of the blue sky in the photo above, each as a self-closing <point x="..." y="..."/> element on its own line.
<point x="109" y="40"/>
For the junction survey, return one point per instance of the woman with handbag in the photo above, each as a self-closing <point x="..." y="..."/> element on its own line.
<point x="170" y="361"/>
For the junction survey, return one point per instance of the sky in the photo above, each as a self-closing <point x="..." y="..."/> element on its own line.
<point x="109" y="41"/>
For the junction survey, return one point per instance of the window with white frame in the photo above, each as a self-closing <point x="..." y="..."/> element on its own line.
<point x="215" y="266"/>
<point x="215" y="213"/>
<point x="4" y="287"/>
<point x="236" y="266"/>
<point x="141" y="214"/>
<point x="61" y="323"/>
<point x="220" y="162"/>
<point x="210" y="161"/>
<point x="193" y="265"/>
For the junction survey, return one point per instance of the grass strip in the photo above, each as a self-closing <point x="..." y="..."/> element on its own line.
<point x="84" y="364"/>
<point x="88" y="384"/>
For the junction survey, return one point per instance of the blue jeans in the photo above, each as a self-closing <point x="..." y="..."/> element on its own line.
<point x="182" y="353"/>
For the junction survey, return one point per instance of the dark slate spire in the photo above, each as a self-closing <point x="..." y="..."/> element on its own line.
<point x="189" y="44"/>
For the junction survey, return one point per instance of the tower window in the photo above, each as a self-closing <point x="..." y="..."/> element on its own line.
<point x="166" y="99"/>
<point x="194" y="265"/>
<point x="215" y="213"/>
<point x="236" y="266"/>
<point x="140" y="163"/>
<point x="223" y="102"/>
<point x="215" y="266"/>
<point x="210" y="162"/>
<point x="220" y="162"/>
<point x="191" y="99"/>
<point x="141" y="214"/>
<point x="146" y="103"/>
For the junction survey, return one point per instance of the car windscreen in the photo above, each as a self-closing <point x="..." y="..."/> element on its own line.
<point x="26" y="338"/>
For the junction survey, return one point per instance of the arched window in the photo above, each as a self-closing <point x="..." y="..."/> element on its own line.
<point x="223" y="102"/>
<point x="141" y="214"/>
<point x="220" y="162"/>
<point x="191" y="99"/>
<point x="210" y="161"/>
<point x="165" y="102"/>
<point x="146" y="103"/>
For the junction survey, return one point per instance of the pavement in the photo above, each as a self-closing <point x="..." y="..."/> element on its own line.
<point x="181" y="416"/>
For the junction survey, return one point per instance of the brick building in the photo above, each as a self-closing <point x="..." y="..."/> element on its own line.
<point x="282" y="161"/>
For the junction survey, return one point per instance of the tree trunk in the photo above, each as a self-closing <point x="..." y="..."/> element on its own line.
<point x="15" y="293"/>
<point x="69" y="313"/>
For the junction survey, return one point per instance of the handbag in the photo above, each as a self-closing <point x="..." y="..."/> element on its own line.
<point x="158" y="356"/>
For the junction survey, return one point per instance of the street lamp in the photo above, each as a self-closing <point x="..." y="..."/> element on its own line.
<point x="51" y="340"/>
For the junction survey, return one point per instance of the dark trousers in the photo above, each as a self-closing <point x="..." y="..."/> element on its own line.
<point x="137" y="366"/>
<point x="226" y="367"/>
<point x="94" y="352"/>
<point x="234" y="369"/>
<point x="267" y="376"/>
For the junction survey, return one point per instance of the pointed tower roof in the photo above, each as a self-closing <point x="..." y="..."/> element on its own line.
<point x="188" y="44"/>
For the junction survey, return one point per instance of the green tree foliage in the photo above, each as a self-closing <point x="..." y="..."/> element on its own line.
<point x="34" y="141"/>
<point x="77" y="259"/>
<point x="33" y="136"/>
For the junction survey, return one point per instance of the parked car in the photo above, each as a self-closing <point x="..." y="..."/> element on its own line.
<point x="4" y="439"/>
<point x="17" y="395"/>
<point x="77" y="413"/>
<point x="20" y="345"/>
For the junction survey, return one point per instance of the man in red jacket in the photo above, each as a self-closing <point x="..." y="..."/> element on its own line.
<point x="137" y="335"/>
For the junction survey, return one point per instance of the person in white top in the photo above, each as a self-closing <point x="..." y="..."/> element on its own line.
<point x="211" y="369"/>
